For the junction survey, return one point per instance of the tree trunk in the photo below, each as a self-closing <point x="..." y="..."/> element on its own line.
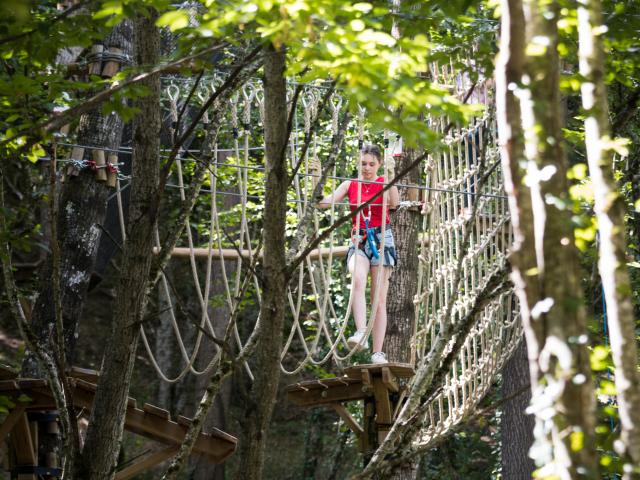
<point x="403" y="284"/>
<point x="274" y="281"/>
<point x="82" y="204"/>
<point x="544" y="260"/>
<point x="517" y="426"/>
<point x="104" y="435"/>
<point x="610" y="211"/>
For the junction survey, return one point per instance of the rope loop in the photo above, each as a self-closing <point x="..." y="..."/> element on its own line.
<point x="336" y="104"/>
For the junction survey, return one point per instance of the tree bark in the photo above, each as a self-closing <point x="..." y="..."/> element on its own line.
<point x="274" y="280"/>
<point x="517" y="426"/>
<point x="544" y="258"/>
<point x="403" y="286"/>
<point x="403" y="283"/>
<point x="83" y="206"/>
<point x="610" y="211"/>
<point x="104" y="435"/>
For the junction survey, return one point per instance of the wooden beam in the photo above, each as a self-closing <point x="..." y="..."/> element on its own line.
<point x="383" y="404"/>
<point x="232" y="254"/>
<point x="366" y="378"/>
<point x="217" y="449"/>
<point x="400" y="370"/>
<point x="348" y="419"/>
<point x="85" y="374"/>
<point x="22" y="443"/>
<point x="336" y="393"/>
<point x="11" y="420"/>
<point x="390" y="380"/>
<point x="152" y="423"/>
<point x="157" y="411"/>
<point x="147" y="463"/>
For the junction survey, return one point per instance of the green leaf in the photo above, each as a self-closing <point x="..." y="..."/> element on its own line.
<point x="175" y="20"/>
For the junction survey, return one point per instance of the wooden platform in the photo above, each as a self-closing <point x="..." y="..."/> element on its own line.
<point x="382" y="388"/>
<point x="150" y="421"/>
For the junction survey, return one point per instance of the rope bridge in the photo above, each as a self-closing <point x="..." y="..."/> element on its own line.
<point x="465" y="234"/>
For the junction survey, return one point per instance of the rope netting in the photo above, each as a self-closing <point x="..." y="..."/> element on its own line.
<point x="445" y="296"/>
<point x="461" y="198"/>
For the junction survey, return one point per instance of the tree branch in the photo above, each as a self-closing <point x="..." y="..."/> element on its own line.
<point x="59" y="119"/>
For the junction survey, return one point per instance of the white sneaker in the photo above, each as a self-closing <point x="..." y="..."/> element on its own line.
<point x="379" y="357"/>
<point x="357" y="341"/>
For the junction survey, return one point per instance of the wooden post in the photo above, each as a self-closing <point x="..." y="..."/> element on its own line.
<point x="95" y="67"/>
<point x="112" y="170"/>
<point x="77" y="154"/>
<point x="369" y="435"/>
<point x="101" y="170"/>
<point x="111" y="66"/>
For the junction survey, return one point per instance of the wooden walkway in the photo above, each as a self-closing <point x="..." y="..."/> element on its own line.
<point x="382" y="388"/>
<point x="32" y="397"/>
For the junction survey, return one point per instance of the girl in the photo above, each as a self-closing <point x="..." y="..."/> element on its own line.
<point x="364" y="257"/>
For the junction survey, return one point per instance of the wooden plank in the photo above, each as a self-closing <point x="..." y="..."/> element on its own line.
<point x="157" y="411"/>
<point x="147" y="463"/>
<point x="383" y="404"/>
<point x="31" y="383"/>
<point x="184" y="421"/>
<point x="389" y="380"/>
<point x="11" y="420"/>
<point x="169" y="432"/>
<point x="85" y="385"/>
<point x="348" y="419"/>
<point x="333" y="394"/>
<point x="22" y="443"/>
<point x="217" y="433"/>
<point x="85" y="374"/>
<point x="216" y="447"/>
<point x="321" y="384"/>
<point x="400" y="370"/>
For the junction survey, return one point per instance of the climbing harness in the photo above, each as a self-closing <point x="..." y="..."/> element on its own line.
<point x="367" y="235"/>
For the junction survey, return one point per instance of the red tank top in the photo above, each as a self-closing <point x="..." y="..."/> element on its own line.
<point x="367" y="191"/>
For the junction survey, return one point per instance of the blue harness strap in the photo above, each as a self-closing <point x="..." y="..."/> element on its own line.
<point x="371" y="239"/>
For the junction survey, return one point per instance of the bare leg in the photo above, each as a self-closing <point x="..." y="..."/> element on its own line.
<point x="380" y="319"/>
<point x="360" y="266"/>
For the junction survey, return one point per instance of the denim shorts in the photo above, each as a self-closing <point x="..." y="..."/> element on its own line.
<point x="390" y="255"/>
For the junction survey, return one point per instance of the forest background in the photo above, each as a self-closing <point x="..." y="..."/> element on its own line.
<point x="44" y="87"/>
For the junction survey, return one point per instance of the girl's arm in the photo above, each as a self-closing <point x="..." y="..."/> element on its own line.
<point x="336" y="197"/>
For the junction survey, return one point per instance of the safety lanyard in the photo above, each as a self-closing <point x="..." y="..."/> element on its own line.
<point x="371" y="233"/>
